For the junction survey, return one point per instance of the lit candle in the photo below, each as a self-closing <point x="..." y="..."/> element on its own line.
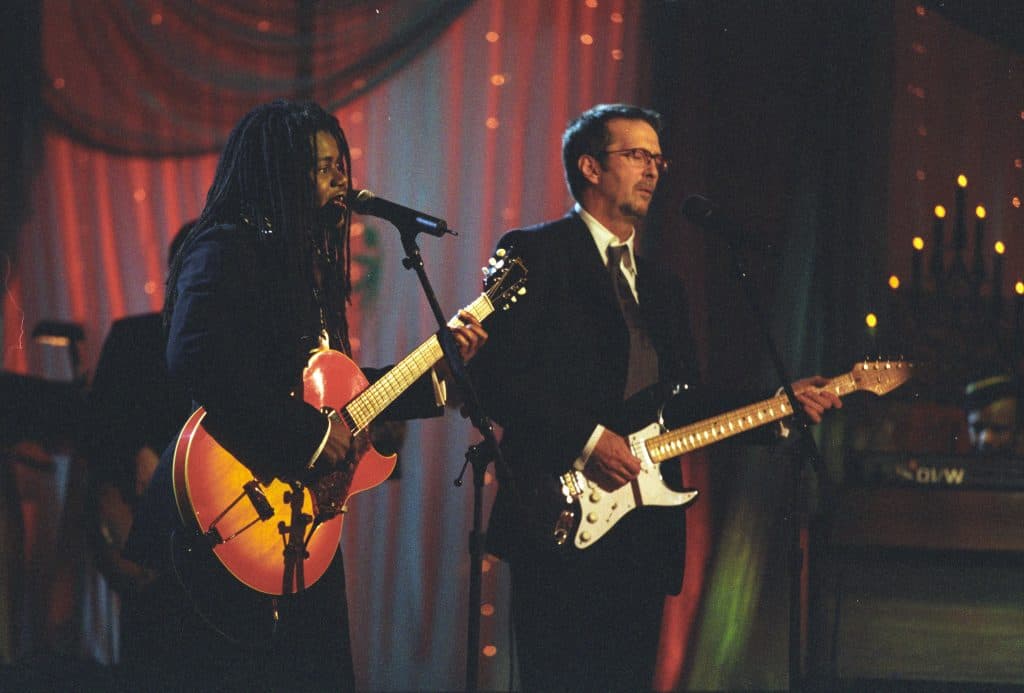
<point x="978" y="273"/>
<point x="915" y="265"/>
<point x="938" y="268"/>
<point x="997" y="277"/>
<point x="1018" y="315"/>
<point x="960" y="226"/>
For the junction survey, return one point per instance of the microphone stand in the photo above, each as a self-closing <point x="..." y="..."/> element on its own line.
<point x="478" y="456"/>
<point x="808" y="451"/>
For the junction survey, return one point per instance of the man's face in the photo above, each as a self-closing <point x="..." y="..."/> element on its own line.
<point x="991" y="428"/>
<point x="623" y="186"/>
<point x="330" y="177"/>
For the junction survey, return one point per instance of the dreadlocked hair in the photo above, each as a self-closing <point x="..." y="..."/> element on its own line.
<point x="263" y="180"/>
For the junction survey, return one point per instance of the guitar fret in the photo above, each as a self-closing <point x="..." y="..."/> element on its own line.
<point x="366" y="406"/>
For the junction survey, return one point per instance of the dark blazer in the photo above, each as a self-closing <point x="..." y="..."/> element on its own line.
<point x="555" y="366"/>
<point x="233" y="344"/>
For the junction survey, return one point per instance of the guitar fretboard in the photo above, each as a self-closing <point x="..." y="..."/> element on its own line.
<point x="366" y="406"/>
<point x="697" y="435"/>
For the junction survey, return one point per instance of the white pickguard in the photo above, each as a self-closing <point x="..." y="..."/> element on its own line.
<point x="600" y="510"/>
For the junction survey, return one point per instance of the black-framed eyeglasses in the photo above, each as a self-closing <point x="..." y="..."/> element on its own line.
<point x="641" y="157"/>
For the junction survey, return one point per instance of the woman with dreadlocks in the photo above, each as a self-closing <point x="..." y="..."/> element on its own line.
<point x="260" y="283"/>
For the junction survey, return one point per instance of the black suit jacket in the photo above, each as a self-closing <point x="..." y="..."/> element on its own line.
<point x="555" y="366"/>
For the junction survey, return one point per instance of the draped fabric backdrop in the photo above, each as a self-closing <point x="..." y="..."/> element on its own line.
<point x="452" y="108"/>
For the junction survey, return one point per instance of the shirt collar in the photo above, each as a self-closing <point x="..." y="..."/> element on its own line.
<point x="604" y="238"/>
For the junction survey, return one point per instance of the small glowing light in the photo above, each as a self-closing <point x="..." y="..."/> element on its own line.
<point x="139" y="194"/>
<point x="918" y="243"/>
<point x="961" y="180"/>
<point x="359" y="83"/>
<point x="487" y="609"/>
<point x="591" y="4"/>
<point x="1022" y="115"/>
<point x="979" y="211"/>
<point x="1019" y="288"/>
<point x="58" y="83"/>
<point x="940" y="211"/>
<point x="1018" y="163"/>
<point x="357" y="153"/>
<point x="492" y="123"/>
<point x="488" y="478"/>
<point x="52" y="340"/>
<point x="492" y="36"/>
<point x="919" y="48"/>
<point x="586" y="39"/>
<point x="617" y="54"/>
<point x="999" y="247"/>
<point x="616" y="18"/>
<point x="149" y="287"/>
<point x="871" y="320"/>
<point x="920" y="174"/>
<point x="497" y="80"/>
<point x="263" y="25"/>
<point x="485" y="566"/>
<point x="489" y="650"/>
<point x="156" y="19"/>
<point x="1015" y="201"/>
<point x="921" y="11"/>
<point x="894" y="282"/>
<point x="915" y="90"/>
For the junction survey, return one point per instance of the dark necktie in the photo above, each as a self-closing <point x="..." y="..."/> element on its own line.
<point x="642" y="368"/>
<point x="630" y="309"/>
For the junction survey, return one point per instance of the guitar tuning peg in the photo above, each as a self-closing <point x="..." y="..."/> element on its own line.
<point x="522" y="291"/>
<point x="492" y="262"/>
<point x="484" y="270"/>
<point x="500" y="252"/>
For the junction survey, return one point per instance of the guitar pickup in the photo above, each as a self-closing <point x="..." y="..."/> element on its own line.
<point x="259" y="500"/>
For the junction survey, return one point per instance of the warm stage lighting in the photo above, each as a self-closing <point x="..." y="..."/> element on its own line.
<point x="1019" y="288"/>
<point x="980" y="212"/>
<point x="871" y="320"/>
<point x="894" y="282"/>
<point x="961" y="180"/>
<point x="918" y="243"/>
<point x="940" y="211"/>
<point x="999" y="247"/>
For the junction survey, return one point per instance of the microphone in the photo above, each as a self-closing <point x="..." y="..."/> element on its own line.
<point x="404" y="218"/>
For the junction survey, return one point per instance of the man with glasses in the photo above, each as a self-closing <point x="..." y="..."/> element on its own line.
<point x="599" y="326"/>
<point x="589" y="334"/>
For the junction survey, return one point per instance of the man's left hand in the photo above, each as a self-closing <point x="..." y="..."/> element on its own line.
<point x="470" y="336"/>
<point x="814" y="399"/>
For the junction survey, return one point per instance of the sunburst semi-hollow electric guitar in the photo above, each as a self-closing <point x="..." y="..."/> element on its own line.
<point x="585" y="512"/>
<point x="250" y="524"/>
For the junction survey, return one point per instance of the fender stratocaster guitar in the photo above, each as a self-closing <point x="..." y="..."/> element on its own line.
<point x="279" y="537"/>
<point x="589" y="512"/>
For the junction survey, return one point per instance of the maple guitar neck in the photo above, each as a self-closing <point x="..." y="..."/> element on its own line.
<point x="702" y="433"/>
<point x="364" y="408"/>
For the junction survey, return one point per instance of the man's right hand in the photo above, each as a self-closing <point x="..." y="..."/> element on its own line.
<point x="611" y="464"/>
<point x="336" y="449"/>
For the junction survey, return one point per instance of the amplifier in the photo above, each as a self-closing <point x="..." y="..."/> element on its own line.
<point x="938" y="471"/>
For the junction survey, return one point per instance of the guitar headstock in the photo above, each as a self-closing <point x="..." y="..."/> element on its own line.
<point x="504" y="279"/>
<point x="881" y="377"/>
